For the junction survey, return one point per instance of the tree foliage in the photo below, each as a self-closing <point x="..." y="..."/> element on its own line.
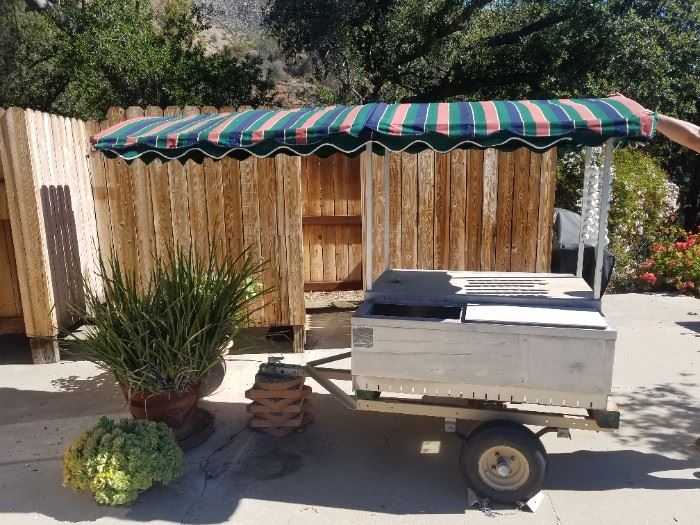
<point x="430" y="50"/>
<point x="78" y="58"/>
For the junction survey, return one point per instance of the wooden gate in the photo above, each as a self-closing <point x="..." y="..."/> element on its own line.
<point x="11" y="321"/>
<point x="332" y="223"/>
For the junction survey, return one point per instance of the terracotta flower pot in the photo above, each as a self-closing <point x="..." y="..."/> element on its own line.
<point x="174" y="410"/>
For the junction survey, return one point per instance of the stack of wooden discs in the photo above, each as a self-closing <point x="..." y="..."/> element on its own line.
<point x="280" y="399"/>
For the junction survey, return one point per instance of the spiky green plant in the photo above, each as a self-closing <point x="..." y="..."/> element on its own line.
<point x="166" y="334"/>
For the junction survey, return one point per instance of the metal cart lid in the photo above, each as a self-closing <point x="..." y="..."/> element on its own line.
<point x="534" y="316"/>
<point x="504" y="288"/>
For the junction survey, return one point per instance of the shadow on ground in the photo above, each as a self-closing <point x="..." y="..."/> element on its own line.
<point x="347" y="460"/>
<point x="692" y="326"/>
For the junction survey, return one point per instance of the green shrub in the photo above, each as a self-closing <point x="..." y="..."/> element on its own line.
<point x="642" y="210"/>
<point x="117" y="461"/>
<point x="167" y="335"/>
<point x="673" y="265"/>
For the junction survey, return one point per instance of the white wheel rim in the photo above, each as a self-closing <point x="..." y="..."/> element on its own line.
<point x="504" y="468"/>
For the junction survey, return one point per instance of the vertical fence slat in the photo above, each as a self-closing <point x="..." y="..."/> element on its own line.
<point x="521" y="159"/>
<point x="490" y="204"/>
<point x="544" y="224"/>
<point x="122" y="204"/>
<point x="328" y="171"/>
<point x="409" y="209"/>
<point x="282" y="253"/>
<point x="233" y="209"/>
<point x="426" y="208"/>
<point x="504" y="212"/>
<point x="341" y="208"/>
<point x="143" y="210"/>
<point x="179" y="202"/>
<point x="353" y="165"/>
<point x="267" y="188"/>
<point x="29" y="237"/>
<point x="251" y="222"/>
<point x="378" y="204"/>
<point x="160" y="199"/>
<point x="442" y="212"/>
<point x="475" y="203"/>
<point x="315" y="232"/>
<point x="535" y="170"/>
<point x="197" y="200"/>
<point x="103" y="219"/>
<point x="458" y="204"/>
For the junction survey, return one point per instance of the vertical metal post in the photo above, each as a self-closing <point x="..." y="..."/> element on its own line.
<point x="368" y="216"/>
<point x="585" y="198"/>
<point x="387" y="201"/>
<point x="602" y="242"/>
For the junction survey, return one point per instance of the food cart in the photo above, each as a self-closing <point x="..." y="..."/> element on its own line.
<point x="499" y="350"/>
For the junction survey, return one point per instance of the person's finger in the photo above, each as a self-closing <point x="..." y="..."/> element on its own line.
<point x="616" y="94"/>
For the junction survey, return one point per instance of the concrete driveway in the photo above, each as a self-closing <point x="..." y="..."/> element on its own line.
<point x="357" y="468"/>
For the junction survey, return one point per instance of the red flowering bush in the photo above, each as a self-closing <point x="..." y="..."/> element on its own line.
<point x="673" y="264"/>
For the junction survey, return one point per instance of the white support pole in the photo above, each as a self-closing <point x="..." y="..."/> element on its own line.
<point x="602" y="242"/>
<point x="368" y="217"/>
<point x="585" y="197"/>
<point x="387" y="200"/>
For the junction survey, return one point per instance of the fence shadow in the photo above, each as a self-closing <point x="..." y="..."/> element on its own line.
<point x="63" y="250"/>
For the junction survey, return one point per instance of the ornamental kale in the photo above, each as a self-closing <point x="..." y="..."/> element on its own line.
<point x="117" y="461"/>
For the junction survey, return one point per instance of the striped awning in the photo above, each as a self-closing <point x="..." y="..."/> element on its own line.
<point x="507" y="125"/>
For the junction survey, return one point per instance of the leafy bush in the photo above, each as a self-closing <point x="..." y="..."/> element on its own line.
<point x="167" y="334"/>
<point x="117" y="461"/>
<point x="642" y="208"/>
<point x="673" y="265"/>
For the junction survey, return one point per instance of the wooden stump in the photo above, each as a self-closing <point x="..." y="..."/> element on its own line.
<point x="280" y="401"/>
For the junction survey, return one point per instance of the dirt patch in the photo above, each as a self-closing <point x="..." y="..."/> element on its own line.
<point x="348" y="299"/>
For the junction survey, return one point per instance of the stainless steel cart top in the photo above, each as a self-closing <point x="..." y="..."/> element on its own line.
<point x="504" y="288"/>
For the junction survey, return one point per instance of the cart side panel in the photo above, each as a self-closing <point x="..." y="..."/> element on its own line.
<point x="538" y="363"/>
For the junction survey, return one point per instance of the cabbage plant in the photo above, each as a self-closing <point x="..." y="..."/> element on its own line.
<point x="117" y="461"/>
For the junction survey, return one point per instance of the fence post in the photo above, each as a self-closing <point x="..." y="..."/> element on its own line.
<point x="29" y="237"/>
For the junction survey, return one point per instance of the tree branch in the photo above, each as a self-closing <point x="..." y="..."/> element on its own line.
<point x="513" y="37"/>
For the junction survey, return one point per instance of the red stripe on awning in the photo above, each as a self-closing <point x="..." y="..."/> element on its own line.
<point x="443" y="119"/>
<point x="259" y="133"/>
<point x="541" y="123"/>
<point x="493" y="123"/>
<point x="397" y="121"/>
<point x="301" y="132"/>
<point x="646" y="121"/>
<point x="350" y="119"/>
<point x="215" y="134"/>
<point x="586" y="114"/>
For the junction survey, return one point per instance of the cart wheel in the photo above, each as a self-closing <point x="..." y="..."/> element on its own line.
<point x="503" y="462"/>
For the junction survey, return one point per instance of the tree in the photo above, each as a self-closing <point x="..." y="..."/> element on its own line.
<point x="78" y="58"/>
<point x="430" y="50"/>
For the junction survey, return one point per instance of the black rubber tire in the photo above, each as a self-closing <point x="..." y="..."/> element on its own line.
<point x="510" y="435"/>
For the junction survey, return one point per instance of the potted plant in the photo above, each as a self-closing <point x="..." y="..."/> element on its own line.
<point x="117" y="461"/>
<point x="160" y="338"/>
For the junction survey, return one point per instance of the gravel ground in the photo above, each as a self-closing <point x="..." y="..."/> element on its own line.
<point x="342" y="299"/>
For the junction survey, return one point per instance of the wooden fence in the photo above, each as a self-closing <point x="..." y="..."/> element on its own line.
<point x="144" y="210"/>
<point x="11" y="321"/>
<point x="464" y="210"/>
<point x="52" y="218"/>
<point x="332" y="222"/>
